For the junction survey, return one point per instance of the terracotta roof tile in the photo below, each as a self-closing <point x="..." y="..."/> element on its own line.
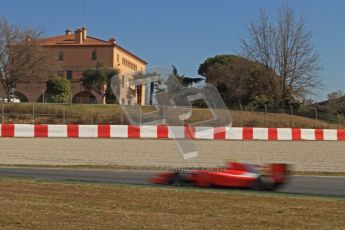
<point x="68" y="39"/>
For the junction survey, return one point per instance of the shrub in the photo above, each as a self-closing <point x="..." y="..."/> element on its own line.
<point x="58" y="90"/>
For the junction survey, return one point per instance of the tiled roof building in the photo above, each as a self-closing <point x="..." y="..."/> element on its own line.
<point x="77" y="51"/>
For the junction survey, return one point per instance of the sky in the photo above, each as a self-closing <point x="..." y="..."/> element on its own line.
<point x="186" y="32"/>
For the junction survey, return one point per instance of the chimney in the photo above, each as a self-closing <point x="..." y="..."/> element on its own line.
<point x="68" y="31"/>
<point x="84" y="33"/>
<point x="28" y="39"/>
<point x="112" y="40"/>
<point x="78" y="36"/>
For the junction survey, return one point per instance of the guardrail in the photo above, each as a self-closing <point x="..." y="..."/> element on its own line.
<point x="170" y="132"/>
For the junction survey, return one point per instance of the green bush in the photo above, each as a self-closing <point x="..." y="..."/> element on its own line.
<point x="58" y="90"/>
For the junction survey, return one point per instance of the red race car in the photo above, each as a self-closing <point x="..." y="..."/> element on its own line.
<point x="235" y="175"/>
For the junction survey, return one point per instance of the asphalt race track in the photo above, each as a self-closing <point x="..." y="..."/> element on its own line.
<point x="308" y="185"/>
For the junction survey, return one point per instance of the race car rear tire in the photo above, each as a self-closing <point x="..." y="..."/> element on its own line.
<point x="257" y="185"/>
<point x="262" y="184"/>
<point x="176" y="180"/>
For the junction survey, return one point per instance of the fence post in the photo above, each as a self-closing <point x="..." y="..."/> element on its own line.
<point x="315" y="113"/>
<point x="33" y="113"/>
<point x="64" y="114"/>
<point x="338" y="120"/>
<point x="91" y="114"/>
<point x="241" y="115"/>
<point x="164" y="121"/>
<point x="184" y="112"/>
<point x="139" y="115"/>
<point x="291" y="114"/>
<point x="121" y="116"/>
<point x="43" y="99"/>
<point x="265" y="118"/>
<point x="2" y="113"/>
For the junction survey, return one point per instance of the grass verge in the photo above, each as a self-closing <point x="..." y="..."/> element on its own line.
<point x="28" y="204"/>
<point x="113" y="114"/>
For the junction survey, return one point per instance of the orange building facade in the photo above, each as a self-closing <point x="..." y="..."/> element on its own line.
<point x="75" y="52"/>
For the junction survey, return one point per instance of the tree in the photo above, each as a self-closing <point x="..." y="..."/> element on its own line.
<point x="58" y="90"/>
<point x="21" y="58"/>
<point x="335" y="95"/>
<point x="335" y="104"/>
<point x="185" y="81"/>
<point x="98" y="79"/>
<point x="238" y="80"/>
<point x="285" y="46"/>
<point x="157" y="86"/>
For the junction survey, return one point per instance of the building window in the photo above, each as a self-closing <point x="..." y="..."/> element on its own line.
<point x="118" y="58"/>
<point x="60" y="73"/>
<point x="94" y="55"/>
<point x="69" y="75"/>
<point x="129" y="64"/>
<point x="60" y="56"/>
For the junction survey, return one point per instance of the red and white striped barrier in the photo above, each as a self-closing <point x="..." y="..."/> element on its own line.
<point x="170" y="132"/>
